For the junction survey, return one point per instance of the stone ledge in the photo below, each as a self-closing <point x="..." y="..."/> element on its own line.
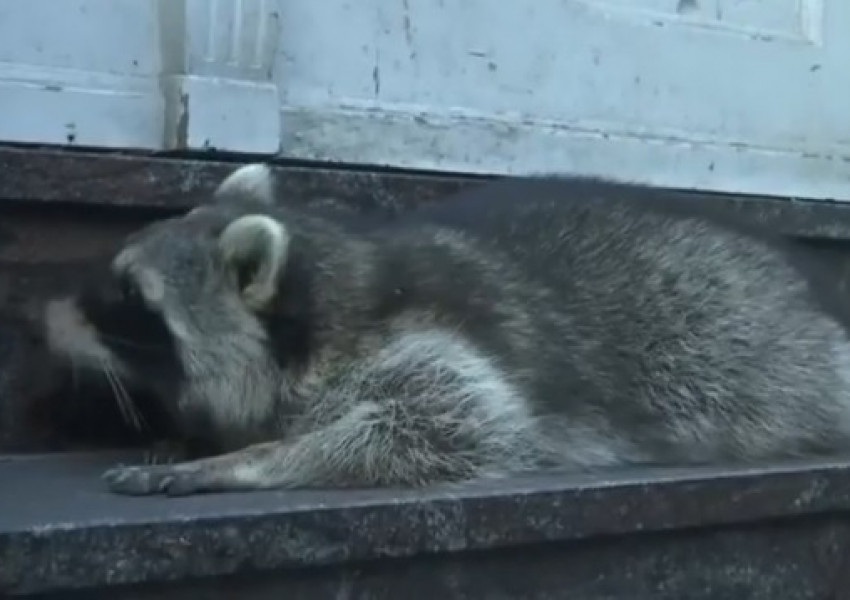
<point x="762" y="534"/>
<point x="155" y="181"/>
<point x="60" y="530"/>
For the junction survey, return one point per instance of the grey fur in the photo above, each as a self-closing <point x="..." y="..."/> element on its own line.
<point x="526" y="324"/>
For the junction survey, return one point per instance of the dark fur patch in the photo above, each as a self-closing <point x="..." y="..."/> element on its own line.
<point x="44" y="406"/>
<point x="291" y="320"/>
<point x="137" y="336"/>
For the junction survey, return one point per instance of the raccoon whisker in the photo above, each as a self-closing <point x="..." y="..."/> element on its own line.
<point x="119" y="400"/>
<point x="138" y="418"/>
<point x="129" y="411"/>
<point x="132" y="410"/>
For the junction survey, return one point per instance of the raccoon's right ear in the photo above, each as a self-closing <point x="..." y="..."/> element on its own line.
<point x="255" y="249"/>
<point x="251" y="183"/>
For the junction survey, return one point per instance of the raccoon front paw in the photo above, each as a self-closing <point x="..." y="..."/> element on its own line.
<point x="165" y="452"/>
<point x="172" y="480"/>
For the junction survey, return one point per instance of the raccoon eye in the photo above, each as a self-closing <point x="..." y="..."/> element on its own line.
<point x="129" y="291"/>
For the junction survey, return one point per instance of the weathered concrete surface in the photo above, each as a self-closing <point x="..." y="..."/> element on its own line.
<point x="713" y="533"/>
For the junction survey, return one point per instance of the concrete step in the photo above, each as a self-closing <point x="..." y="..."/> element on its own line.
<point x="781" y="532"/>
<point x="763" y="534"/>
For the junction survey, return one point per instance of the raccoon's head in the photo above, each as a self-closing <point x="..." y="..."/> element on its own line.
<point x="179" y="311"/>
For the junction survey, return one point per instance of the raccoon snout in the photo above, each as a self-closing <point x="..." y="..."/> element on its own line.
<point x="67" y="331"/>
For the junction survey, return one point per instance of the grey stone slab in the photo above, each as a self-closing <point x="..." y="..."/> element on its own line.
<point x="61" y="530"/>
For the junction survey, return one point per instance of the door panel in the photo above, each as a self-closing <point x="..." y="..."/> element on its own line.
<point x="739" y="95"/>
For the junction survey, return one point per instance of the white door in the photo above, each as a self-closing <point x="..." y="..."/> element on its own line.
<point x="732" y="95"/>
<point x="736" y="95"/>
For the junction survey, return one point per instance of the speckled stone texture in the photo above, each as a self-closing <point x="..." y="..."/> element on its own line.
<point x="776" y="533"/>
<point x="155" y="184"/>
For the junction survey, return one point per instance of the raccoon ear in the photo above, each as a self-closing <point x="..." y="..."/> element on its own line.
<point x="253" y="183"/>
<point x="255" y="249"/>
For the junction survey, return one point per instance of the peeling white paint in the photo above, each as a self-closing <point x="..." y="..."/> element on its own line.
<point x="719" y="94"/>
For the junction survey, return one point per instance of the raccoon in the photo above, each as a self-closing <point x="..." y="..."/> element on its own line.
<point x="525" y="324"/>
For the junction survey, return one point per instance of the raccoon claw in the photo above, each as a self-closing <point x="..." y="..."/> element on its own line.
<point x="153" y="457"/>
<point x="154" y="479"/>
<point x="164" y="452"/>
<point x="138" y="481"/>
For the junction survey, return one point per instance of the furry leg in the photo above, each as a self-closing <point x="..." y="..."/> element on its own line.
<point x="426" y="409"/>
